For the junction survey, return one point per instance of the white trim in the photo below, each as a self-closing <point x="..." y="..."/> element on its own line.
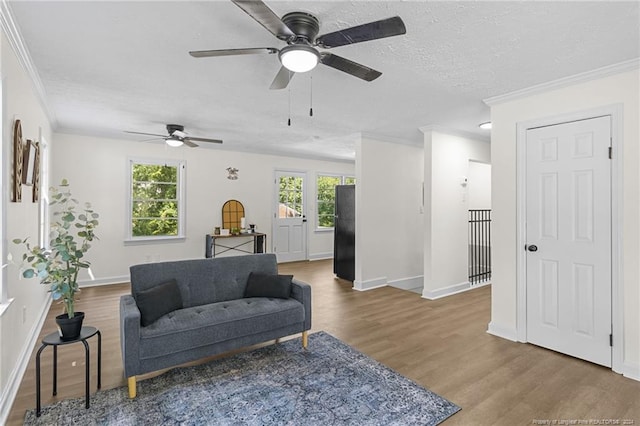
<point x="504" y="332"/>
<point x="616" y="112"/>
<point x="123" y="279"/>
<point x="441" y="292"/>
<point x="564" y="82"/>
<point x="8" y="24"/>
<point x="370" y="284"/>
<point x="15" y="378"/>
<point x="408" y="283"/>
<point x="154" y="240"/>
<point x="454" y="132"/>
<point x="631" y="371"/>
<point x="5" y="305"/>
<point x="617" y="221"/>
<point x="321" y="256"/>
<point x="5" y="153"/>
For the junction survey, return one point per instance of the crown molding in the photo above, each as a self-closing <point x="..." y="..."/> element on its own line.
<point x="565" y="81"/>
<point x="454" y="132"/>
<point x="12" y="32"/>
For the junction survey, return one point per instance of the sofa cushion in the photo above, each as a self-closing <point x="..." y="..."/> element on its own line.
<point x="158" y="301"/>
<point x="268" y="285"/>
<point x="217" y="322"/>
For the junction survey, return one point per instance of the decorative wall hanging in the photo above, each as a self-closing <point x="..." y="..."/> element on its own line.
<point x="28" y="162"/>
<point x="233" y="173"/>
<point x="36" y="174"/>
<point x="16" y="185"/>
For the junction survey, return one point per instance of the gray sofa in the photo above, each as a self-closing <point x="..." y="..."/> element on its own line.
<point x="215" y="316"/>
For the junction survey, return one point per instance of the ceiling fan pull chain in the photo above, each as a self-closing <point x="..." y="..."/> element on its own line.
<point x="311" y="99"/>
<point x="289" y="120"/>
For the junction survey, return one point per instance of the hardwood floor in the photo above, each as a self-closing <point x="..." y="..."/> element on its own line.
<point x="442" y="345"/>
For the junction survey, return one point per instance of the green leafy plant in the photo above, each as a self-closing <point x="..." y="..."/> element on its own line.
<point x="69" y="240"/>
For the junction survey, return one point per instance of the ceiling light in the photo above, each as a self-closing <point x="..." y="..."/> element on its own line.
<point x="173" y="141"/>
<point x="485" y="126"/>
<point x="299" y="57"/>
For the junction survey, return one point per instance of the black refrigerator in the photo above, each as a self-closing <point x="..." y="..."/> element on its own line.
<point x="344" y="235"/>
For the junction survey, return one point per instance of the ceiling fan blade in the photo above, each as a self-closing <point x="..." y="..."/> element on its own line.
<point x="193" y="138"/>
<point x="350" y="67"/>
<point x="365" y="32"/>
<point x="146" y="134"/>
<point x="282" y="79"/>
<point x="265" y="17"/>
<point x="189" y="143"/>
<point x="231" y="52"/>
<point x="152" y="139"/>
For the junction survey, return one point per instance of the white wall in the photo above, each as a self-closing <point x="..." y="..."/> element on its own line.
<point x="446" y="198"/>
<point x="621" y="88"/>
<point x="479" y="186"/>
<point x="389" y="224"/>
<point x="97" y="170"/>
<point x="20" y="323"/>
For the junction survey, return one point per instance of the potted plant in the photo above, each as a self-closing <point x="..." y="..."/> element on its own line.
<point x="58" y="266"/>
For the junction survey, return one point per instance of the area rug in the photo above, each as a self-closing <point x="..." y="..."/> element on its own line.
<point x="281" y="384"/>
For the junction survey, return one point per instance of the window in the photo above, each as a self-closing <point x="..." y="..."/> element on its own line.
<point x="157" y="199"/>
<point x="291" y="197"/>
<point x="326" y="195"/>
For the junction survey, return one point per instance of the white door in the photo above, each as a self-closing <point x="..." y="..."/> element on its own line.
<point x="289" y="223"/>
<point x="568" y="234"/>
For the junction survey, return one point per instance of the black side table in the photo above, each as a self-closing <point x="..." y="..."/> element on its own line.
<point x="54" y="340"/>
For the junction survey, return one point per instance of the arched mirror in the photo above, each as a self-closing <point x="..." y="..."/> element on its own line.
<point x="232" y="211"/>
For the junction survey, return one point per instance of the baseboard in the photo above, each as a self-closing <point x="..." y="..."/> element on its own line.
<point x="15" y="378"/>
<point x="370" y="284"/>
<point x="504" y="332"/>
<point x="408" y="283"/>
<point x="321" y="256"/>
<point x="446" y="291"/>
<point x="104" y="281"/>
<point x="631" y="371"/>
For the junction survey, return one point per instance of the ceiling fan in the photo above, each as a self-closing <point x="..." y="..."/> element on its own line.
<point x="176" y="137"/>
<point x="299" y="31"/>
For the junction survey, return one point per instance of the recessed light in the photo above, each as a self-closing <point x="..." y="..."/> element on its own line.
<point x="485" y="126"/>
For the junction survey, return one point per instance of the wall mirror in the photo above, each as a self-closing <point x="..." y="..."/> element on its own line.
<point x="232" y="211"/>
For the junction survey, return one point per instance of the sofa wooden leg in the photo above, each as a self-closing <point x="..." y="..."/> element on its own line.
<point x="305" y="339"/>
<point x="131" y="382"/>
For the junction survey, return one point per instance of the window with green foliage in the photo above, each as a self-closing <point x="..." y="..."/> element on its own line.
<point x="326" y="194"/>
<point x="156" y="199"/>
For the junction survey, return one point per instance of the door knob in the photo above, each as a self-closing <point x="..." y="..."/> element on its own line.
<point x="532" y="247"/>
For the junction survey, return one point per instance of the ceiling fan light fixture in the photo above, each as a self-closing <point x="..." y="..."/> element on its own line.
<point x="485" y="126"/>
<point x="173" y="142"/>
<point x="299" y="57"/>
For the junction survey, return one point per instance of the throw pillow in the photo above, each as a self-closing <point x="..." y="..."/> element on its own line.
<point x="266" y="285"/>
<point x="158" y="301"/>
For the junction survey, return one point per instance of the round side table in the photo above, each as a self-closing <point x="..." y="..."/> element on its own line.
<point x="54" y="340"/>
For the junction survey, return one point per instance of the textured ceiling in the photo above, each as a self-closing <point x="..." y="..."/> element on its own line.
<point x="111" y="66"/>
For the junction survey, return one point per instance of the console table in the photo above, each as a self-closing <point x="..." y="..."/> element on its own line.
<point x="255" y="242"/>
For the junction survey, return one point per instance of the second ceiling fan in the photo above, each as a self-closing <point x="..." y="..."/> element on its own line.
<point x="300" y="31"/>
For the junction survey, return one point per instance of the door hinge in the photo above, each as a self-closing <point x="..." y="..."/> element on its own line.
<point x="611" y="340"/>
<point x="610" y="153"/>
